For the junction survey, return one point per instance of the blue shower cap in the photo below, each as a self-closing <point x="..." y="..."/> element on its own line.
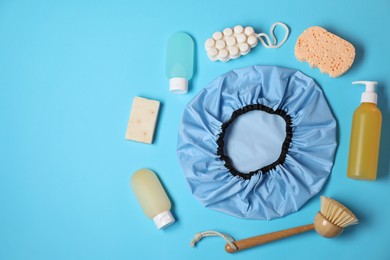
<point x="257" y="142"/>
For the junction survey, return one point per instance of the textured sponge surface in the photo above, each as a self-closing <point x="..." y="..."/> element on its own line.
<point x="324" y="50"/>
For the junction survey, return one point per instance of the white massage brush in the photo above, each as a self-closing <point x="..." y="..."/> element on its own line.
<point x="231" y="43"/>
<point x="329" y="222"/>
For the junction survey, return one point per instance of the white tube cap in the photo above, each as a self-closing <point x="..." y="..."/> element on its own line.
<point x="178" y="85"/>
<point x="164" y="219"/>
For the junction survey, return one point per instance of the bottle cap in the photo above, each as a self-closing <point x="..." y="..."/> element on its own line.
<point x="178" y="85"/>
<point x="164" y="219"/>
<point x="369" y="96"/>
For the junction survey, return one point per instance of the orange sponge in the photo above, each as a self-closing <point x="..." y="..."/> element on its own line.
<point x="324" y="50"/>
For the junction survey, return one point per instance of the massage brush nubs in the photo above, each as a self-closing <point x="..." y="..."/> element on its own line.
<point x="231" y="43"/>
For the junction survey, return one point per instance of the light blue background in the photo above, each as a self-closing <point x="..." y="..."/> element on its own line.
<point x="68" y="73"/>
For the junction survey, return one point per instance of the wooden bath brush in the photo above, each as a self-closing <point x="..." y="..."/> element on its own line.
<point x="329" y="222"/>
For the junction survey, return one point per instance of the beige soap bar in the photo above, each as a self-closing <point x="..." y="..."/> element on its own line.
<point x="143" y="120"/>
<point x="324" y="50"/>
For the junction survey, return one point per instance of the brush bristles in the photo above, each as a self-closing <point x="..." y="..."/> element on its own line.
<point x="337" y="213"/>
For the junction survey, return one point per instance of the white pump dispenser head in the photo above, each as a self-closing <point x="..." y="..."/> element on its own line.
<point x="369" y="95"/>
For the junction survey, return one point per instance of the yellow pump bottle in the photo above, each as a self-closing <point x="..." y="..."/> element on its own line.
<point x="365" y="136"/>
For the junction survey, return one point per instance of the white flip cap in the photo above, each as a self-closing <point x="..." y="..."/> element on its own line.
<point x="164" y="219"/>
<point x="178" y="85"/>
<point x="369" y="96"/>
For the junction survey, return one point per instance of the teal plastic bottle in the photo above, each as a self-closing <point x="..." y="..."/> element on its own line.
<point x="179" y="62"/>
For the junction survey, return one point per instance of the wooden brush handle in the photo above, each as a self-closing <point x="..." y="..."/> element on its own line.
<point x="262" y="239"/>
